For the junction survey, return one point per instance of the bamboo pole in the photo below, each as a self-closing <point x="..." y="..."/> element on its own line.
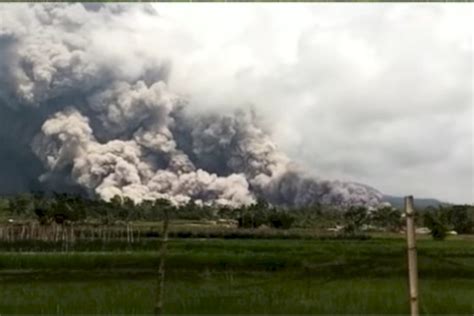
<point x="412" y="260"/>
<point x="161" y="271"/>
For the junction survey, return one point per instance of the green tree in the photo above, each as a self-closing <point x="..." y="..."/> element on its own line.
<point x="126" y="209"/>
<point x="163" y="208"/>
<point x="4" y="206"/>
<point x="387" y="217"/>
<point x="437" y="222"/>
<point x="103" y="211"/>
<point x="280" y="219"/>
<point x="461" y="217"/>
<point x="60" y="208"/>
<point x="145" y="209"/>
<point x="254" y="215"/>
<point x="355" y="217"/>
<point x="21" y="205"/>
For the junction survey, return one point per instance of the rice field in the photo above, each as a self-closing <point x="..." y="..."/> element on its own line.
<point x="230" y="293"/>
<point x="219" y="276"/>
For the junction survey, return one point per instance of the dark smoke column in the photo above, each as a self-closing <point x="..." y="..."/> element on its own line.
<point x="116" y="130"/>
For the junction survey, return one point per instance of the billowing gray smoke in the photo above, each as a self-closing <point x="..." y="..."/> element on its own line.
<point x="116" y="129"/>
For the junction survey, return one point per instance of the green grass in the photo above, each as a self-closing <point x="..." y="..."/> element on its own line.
<point x="230" y="292"/>
<point x="242" y="276"/>
<point x="375" y="257"/>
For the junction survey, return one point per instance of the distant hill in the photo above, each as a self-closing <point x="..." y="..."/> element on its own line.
<point x="398" y="202"/>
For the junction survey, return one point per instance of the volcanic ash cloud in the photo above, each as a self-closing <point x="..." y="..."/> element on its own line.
<point x="113" y="127"/>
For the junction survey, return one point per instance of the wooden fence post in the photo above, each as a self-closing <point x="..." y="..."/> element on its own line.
<point x="412" y="260"/>
<point x="161" y="271"/>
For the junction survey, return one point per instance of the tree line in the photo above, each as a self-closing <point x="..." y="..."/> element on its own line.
<point x="61" y="208"/>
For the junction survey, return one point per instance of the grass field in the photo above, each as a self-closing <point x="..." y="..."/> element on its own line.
<point x="240" y="277"/>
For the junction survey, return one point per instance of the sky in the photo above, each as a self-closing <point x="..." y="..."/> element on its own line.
<point x="374" y="93"/>
<point x="380" y="94"/>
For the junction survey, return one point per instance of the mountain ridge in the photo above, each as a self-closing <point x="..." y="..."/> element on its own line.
<point x="399" y="201"/>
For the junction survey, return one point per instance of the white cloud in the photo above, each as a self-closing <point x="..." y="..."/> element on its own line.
<point x="379" y="93"/>
<point x="376" y="93"/>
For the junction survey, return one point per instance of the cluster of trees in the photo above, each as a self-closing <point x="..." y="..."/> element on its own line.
<point x="358" y="218"/>
<point x="61" y="208"/>
<point x="352" y="221"/>
<point x="443" y="219"/>
<point x="261" y="213"/>
<point x="440" y="220"/>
